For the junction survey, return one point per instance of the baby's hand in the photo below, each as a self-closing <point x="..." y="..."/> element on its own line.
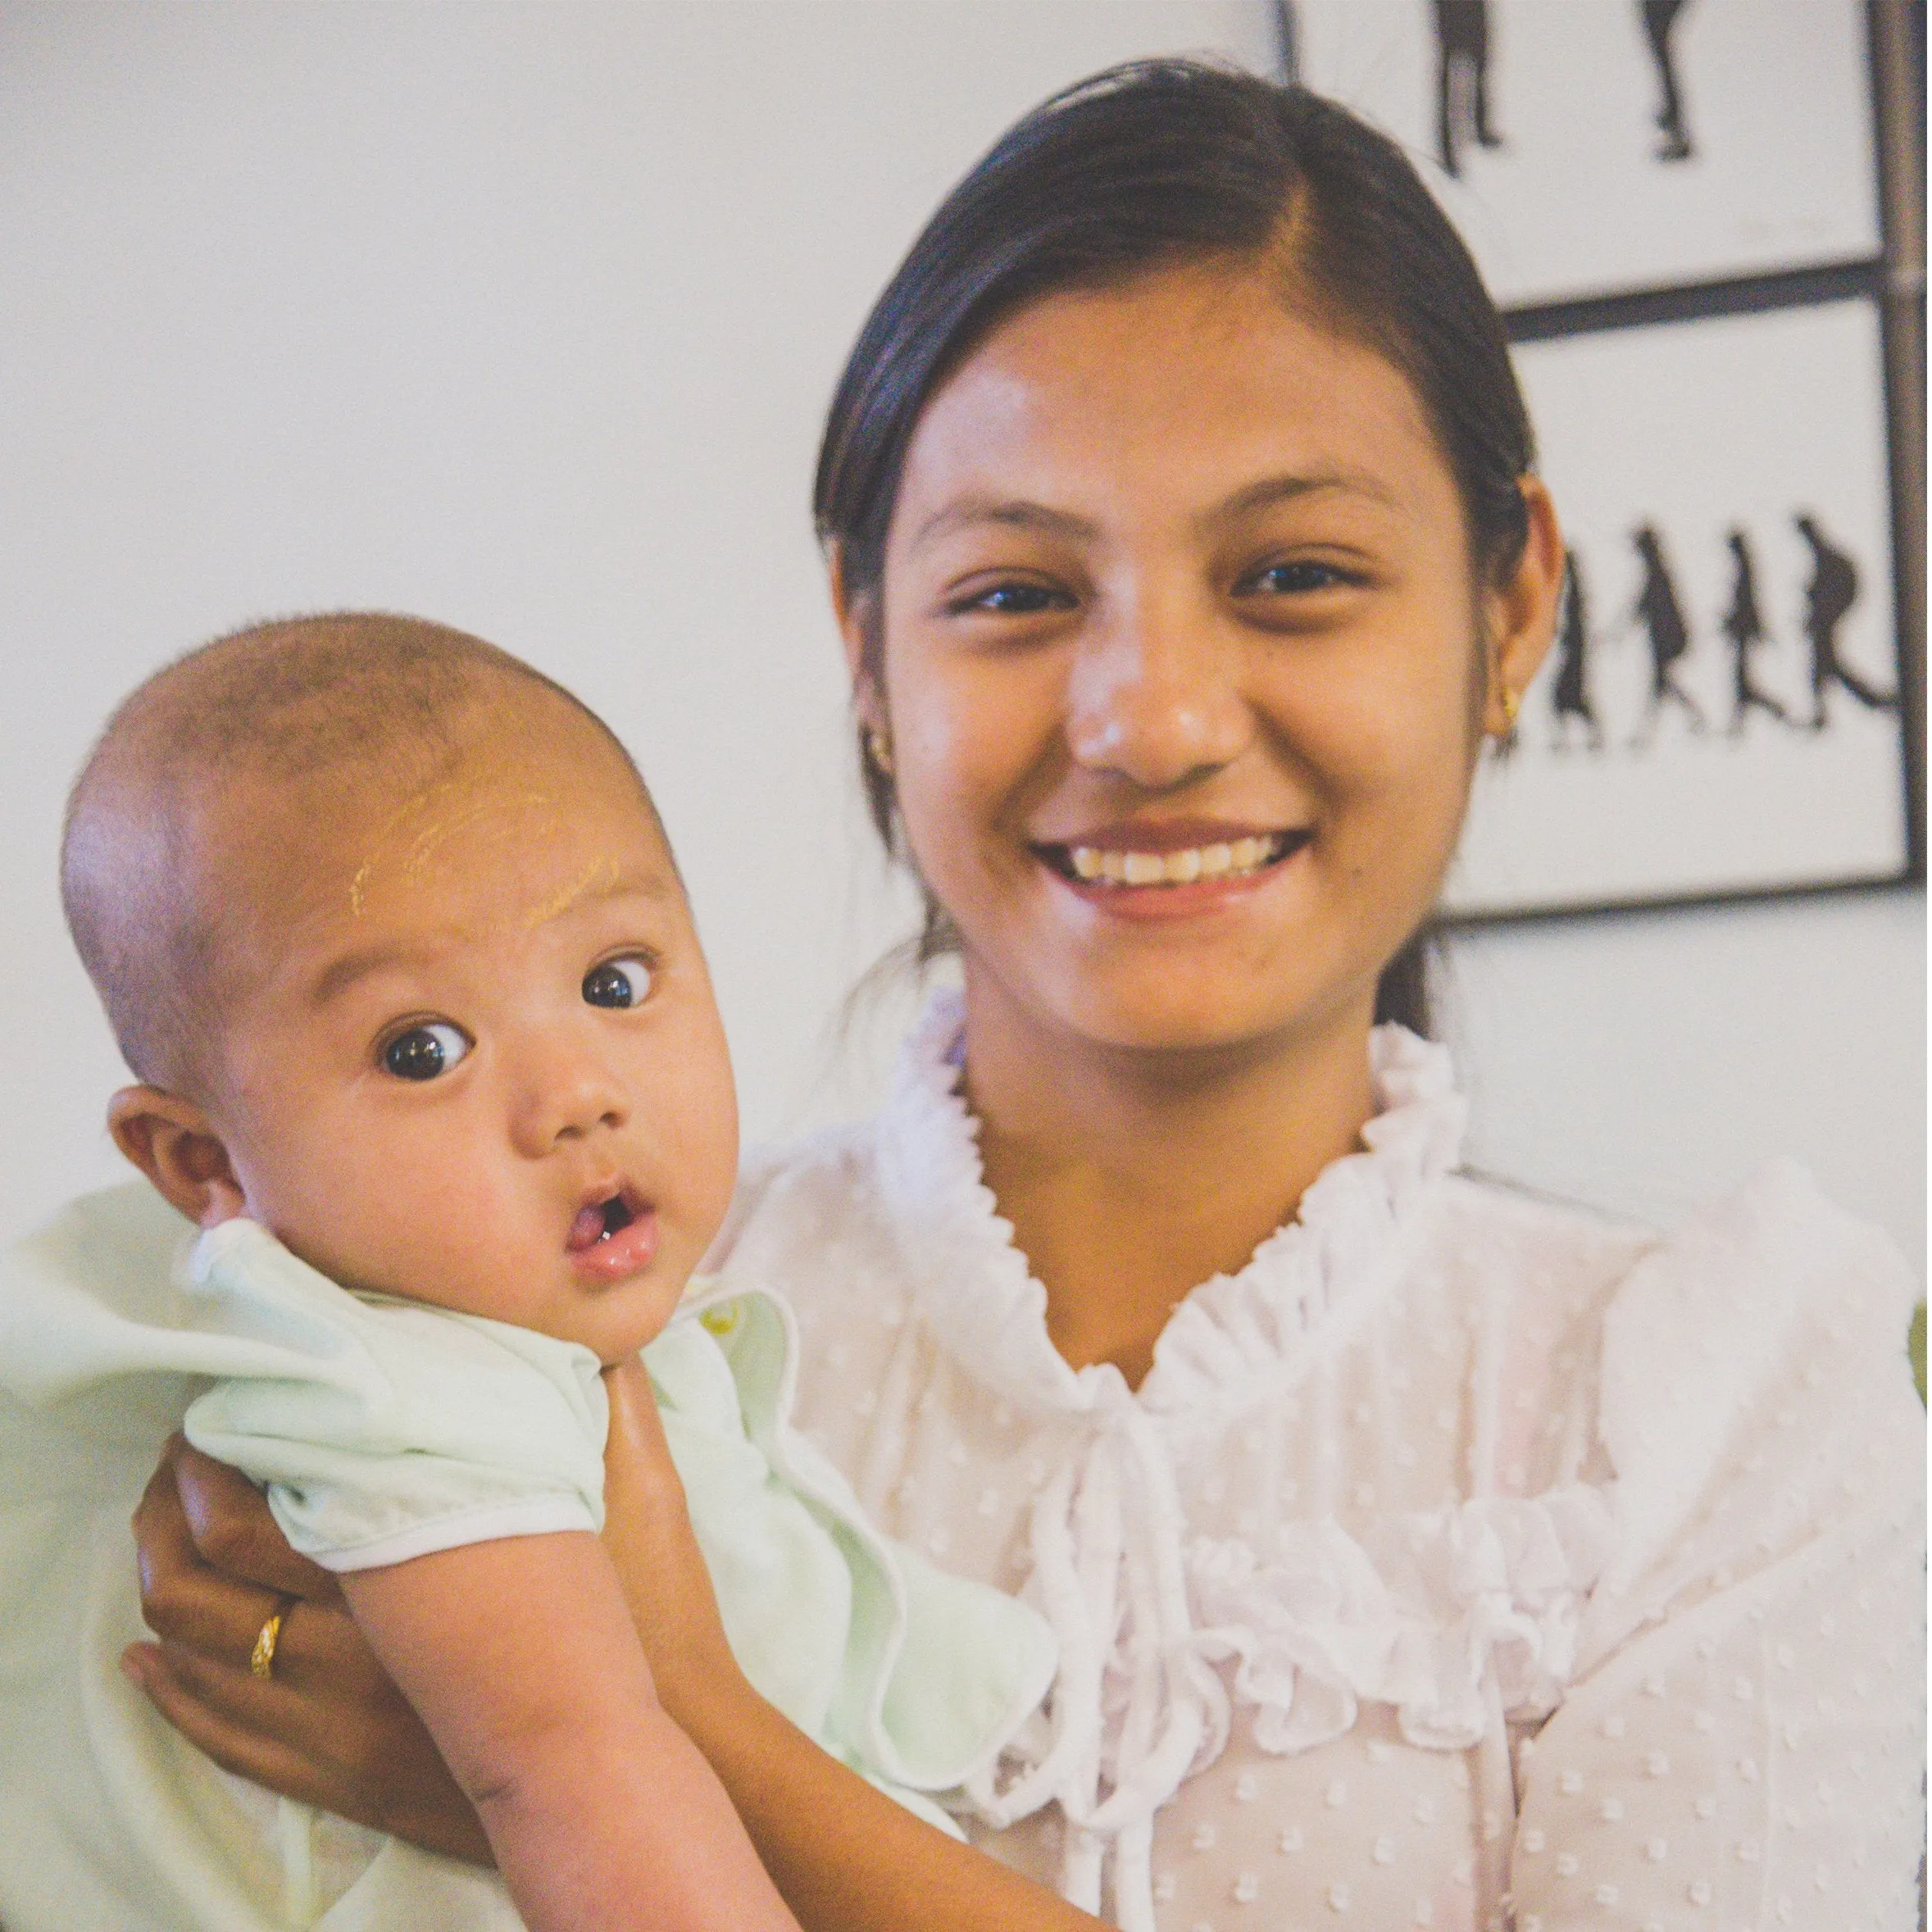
<point x="647" y="1532"/>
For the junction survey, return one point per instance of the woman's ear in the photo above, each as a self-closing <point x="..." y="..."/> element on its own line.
<point x="177" y="1147"/>
<point x="858" y="617"/>
<point x="1522" y="612"/>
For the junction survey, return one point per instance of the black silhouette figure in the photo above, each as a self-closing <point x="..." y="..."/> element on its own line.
<point x="1570" y="690"/>
<point x="1660" y="20"/>
<point x="1743" y="625"/>
<point x="1658" y="610"/>
<point x="1832" y="591"/>
<point x="1462" y="46"/>
<point x="1288" y="56"/>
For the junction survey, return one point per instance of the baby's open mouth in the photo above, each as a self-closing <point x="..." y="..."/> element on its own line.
<point x="599" y="1220"/>
<point x="1192" y="865"/>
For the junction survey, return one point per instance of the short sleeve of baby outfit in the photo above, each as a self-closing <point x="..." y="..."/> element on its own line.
<point x="1743" y="1744"/>
<point x="383" y="1430"/>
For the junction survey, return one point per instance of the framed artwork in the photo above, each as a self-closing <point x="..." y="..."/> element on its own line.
<point x="1586" y="147"/>
<point x="1720" y="715"/>
<point x="1685" y="209"/>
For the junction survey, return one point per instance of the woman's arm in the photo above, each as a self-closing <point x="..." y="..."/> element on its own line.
<point x="520" y="1656"/>
<point x="331" y="1729"/>
<point x="846" y="1857"/>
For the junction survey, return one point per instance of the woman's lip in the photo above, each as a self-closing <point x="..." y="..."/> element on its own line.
<point x="1153" y="903"/>
<point x="631" y="1249"/>
<point x="1165" y="835"/>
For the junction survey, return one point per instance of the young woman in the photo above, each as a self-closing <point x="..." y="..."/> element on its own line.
<point x="1420" y="1554"/>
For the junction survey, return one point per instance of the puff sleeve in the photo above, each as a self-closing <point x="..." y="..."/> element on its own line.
<point x="1743" y="1744"/>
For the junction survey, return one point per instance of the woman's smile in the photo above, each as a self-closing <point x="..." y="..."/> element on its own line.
<point x="1177" y="869"/>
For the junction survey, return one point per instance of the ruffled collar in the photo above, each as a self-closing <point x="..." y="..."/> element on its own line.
<point x="1236" y="1335"/>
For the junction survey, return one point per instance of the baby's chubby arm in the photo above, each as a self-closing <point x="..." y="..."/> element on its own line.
<point x="521" y="1657"/>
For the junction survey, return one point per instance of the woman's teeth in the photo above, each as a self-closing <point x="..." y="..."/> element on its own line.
<point x="1235" y="859"/>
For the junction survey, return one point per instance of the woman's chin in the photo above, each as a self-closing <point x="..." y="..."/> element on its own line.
<point x="1187" y="1017"/>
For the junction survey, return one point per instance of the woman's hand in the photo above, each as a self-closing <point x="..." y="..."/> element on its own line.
<point x="327" y="1727"/>
<point x="846" y="1857"/>
<point x="667" y="1586"/>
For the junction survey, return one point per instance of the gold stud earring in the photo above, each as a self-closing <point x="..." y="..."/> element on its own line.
<point x="878" y="749"/>
<point x="1512" y="704"/>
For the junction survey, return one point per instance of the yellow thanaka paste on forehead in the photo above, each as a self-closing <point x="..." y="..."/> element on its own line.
<point x="604" y="872"/>
<point x="425" y="824"/>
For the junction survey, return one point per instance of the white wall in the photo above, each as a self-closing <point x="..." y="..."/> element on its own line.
<point x="523" y="316"/>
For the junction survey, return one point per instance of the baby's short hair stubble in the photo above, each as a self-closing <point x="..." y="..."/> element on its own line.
<point x="287" y="701"/>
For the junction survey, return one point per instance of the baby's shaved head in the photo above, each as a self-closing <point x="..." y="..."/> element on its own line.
<point x="244" y="743"/>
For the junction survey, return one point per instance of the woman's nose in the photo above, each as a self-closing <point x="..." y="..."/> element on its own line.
<point x="1154" y="694"/>
<point x="566" y="1091"/>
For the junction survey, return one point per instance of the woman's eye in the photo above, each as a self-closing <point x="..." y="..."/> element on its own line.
<point x="617" y="982"/>
<point x="1290" y="579"/>
<point x="1017" y="600"/>
<point x="425" y="1051"/>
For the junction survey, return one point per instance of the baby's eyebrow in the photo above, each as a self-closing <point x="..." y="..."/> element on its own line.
<point x="602" y="882"/>
<point x="342" y="973"/>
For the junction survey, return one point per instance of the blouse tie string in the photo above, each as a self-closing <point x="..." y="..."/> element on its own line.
<point x="1137" y="1705"/>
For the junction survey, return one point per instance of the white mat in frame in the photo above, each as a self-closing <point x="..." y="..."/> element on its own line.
<point x="1697" y="430"/>
<point x="1774" y="111"/>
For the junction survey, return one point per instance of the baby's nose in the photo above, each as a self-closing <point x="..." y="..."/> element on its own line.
<point x="569" y="1093"/>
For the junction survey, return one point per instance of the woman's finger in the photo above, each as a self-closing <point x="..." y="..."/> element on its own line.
<point x="322" y="1731"/>
<point x="373" y="1763"/>
<point x="189" y="1603"/>
<point x="235" y="1531"/>
<point x="317" y="1648"/>
<point x="183" y="1598"/>
<point x="236" y="1747"/>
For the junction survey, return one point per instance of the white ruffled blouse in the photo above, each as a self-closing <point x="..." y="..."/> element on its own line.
<point x="1463" y="1562"/>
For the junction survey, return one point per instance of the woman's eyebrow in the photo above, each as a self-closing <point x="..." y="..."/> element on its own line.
<point x="1013" y="513"/>
<point x="1270" y="490"/>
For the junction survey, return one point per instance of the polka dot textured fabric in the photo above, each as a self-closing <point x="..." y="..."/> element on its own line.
<point x="1463" y="1562"/>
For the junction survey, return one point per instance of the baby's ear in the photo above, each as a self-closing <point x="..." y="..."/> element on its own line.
<point x="177" y="1147"/>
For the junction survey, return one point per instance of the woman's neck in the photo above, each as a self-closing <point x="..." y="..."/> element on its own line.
<point x="1131" y="1177"/>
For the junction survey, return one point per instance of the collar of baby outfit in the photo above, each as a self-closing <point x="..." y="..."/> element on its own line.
<point x="1446" y="1615"/>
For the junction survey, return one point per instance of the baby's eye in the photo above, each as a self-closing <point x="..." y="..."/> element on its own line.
<point x="617" y="982"/>
<point x="425" y="1051"/>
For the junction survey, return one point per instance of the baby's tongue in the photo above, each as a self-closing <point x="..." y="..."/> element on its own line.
<point x="586" y="1230"/>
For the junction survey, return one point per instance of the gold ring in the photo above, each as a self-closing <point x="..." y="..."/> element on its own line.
<point x="261" y="1660"/>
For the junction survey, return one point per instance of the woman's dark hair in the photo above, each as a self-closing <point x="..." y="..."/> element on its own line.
<point x="1144" y="168"/>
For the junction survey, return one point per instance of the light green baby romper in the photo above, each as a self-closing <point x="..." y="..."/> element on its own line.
<point x="382" y="1429"/>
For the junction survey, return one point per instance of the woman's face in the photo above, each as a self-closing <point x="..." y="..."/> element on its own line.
<point x="1184" y="668"/>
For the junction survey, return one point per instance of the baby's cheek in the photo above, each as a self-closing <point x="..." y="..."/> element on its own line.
<point x="702" y="1170"/>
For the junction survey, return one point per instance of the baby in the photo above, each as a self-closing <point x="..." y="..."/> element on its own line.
<point x="389" y="932"/>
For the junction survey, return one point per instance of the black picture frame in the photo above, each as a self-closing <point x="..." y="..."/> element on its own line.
<point x="1895" y="281"/>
